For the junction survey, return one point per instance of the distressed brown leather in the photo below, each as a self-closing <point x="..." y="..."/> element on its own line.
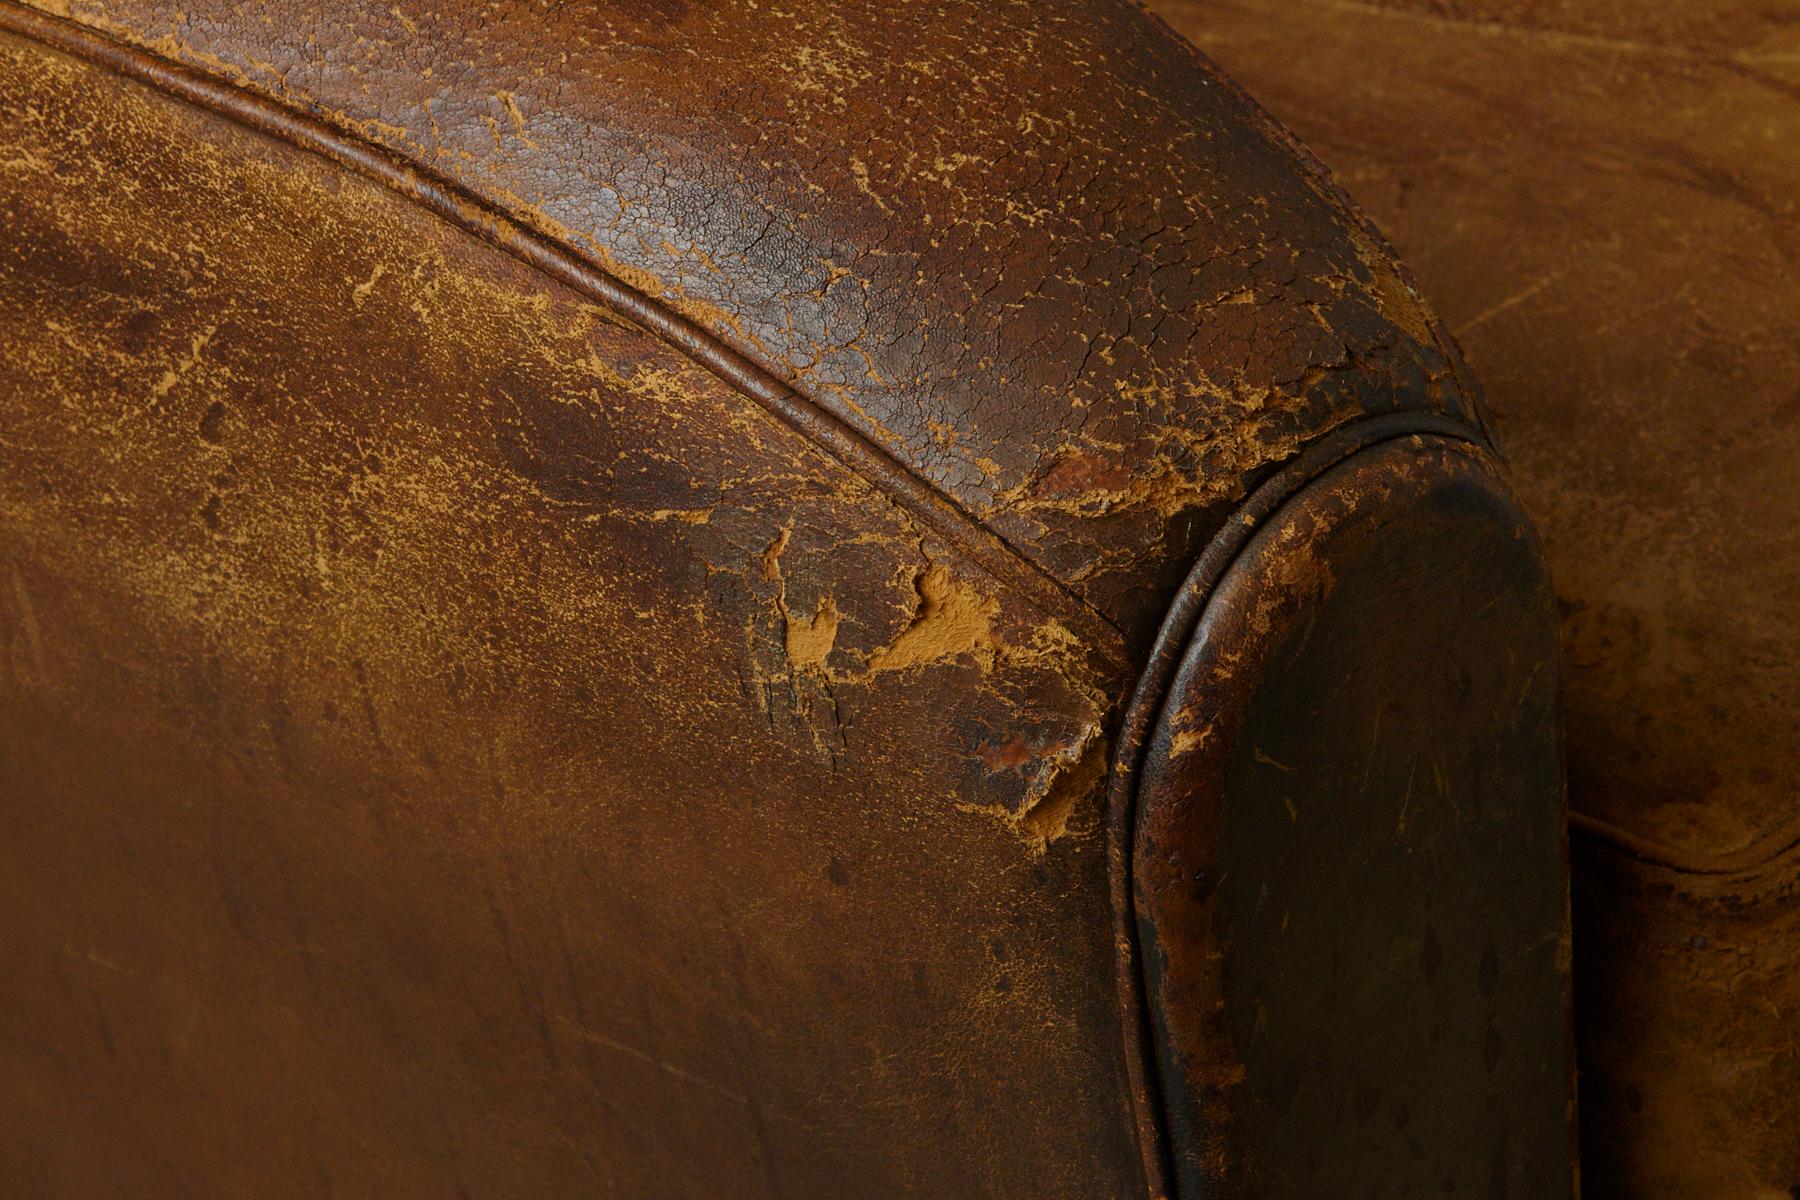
<point x="588" y="591"/>
<point x="1601" y="197"/>
<point x="1046" y="260"/>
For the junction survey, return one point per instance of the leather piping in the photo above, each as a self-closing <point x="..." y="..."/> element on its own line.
<point x="1148" y="700"/>
<point x="477" y="216"/>
<point x="1764" y="851"/>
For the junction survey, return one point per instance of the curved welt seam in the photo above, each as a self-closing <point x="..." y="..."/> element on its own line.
<point x="479" y="217"/>
<point x="1765" y="851"/>
<point x="1145" y="710"/>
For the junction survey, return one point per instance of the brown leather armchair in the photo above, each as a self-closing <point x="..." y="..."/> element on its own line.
<point x="675" y="599"/>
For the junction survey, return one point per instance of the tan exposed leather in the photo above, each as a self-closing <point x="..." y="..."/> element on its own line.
<point x="1050" y="262"/>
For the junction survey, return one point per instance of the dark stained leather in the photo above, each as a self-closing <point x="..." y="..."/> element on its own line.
<point x="1600" y="197"/>
<point x="1371" y="686"/>
<point x="579" y="591"/>
<point x="1044" y="256"/>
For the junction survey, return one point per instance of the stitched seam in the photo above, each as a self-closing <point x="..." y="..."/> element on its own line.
<point x="490" y="223"/>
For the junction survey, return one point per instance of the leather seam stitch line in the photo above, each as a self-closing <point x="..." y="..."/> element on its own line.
<point x="1145" y="708"/>
<point x="1764" y="852"/>
<point x="490" y="223"/>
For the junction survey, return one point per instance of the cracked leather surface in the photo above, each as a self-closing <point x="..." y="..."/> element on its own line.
<point x="435" y="761"/>
<point x="1044" y="256"/>
<point x="463" y="739"/>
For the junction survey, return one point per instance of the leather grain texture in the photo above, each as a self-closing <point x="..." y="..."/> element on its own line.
<point x="1371" y="690"/>
<point x="363" y="637"/>
<point x="582" y="582"/>
<point x="1044" y="257"/>
<point x="1599" y="196"/>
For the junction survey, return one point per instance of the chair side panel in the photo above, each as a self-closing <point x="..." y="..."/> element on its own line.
<point x="450" y="742"/>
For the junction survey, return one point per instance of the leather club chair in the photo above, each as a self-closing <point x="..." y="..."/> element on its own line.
<point x="702" y="600"/>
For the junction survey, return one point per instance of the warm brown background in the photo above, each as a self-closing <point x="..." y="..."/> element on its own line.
<point x="1602" y="197"/>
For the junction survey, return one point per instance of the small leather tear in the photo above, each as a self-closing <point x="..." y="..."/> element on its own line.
<point x="952" y="618"/>
<point x="1074" y="772"/>
<point x="809" y="640"/>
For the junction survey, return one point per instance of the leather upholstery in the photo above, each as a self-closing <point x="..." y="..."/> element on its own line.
<point x="587" y="588"/>
<point x="1075" y="279"/>
<point x="1591" y="194"/>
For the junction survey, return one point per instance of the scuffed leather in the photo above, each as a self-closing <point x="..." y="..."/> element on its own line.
<point x="451" y="743"/>
<point x="1041" y="254"/>
<point x="482" y="686"/>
